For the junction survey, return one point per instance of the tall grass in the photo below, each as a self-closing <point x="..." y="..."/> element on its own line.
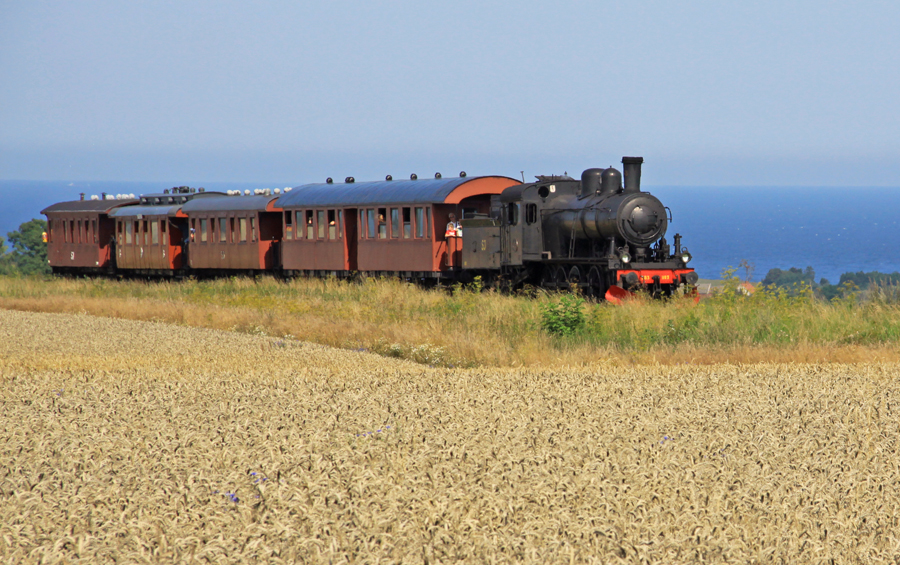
<point x="464" y="327"/>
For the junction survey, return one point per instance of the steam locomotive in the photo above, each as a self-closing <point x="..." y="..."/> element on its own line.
<point x="605" y="238"/>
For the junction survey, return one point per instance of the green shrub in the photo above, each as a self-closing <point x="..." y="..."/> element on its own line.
<point x="564" y="316"/>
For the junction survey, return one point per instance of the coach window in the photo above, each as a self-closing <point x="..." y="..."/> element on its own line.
<point x="232" y="233"/>
<point x="513" y="214"/>
<point x="146" y="231"/>
<point x="154" y="231"/>
<point x="320" y="223"/>
<point x="382" y="223"/>
<point x="363" y="230"/>
<point x="407" y="223"/>
<point x="340" y="222"/>
<point x="428" y="223"/>
<point x="94" y="231"/>
<point x="289" y="225"/>
<point x="530" y="213"/>
<point x="203" y="230"/>
<point x="332" y="225"/>
<point x="120" y="238"/>
<point x="223" y="230"/>
<point x="128" y="232"/>
<point x="253" y="229"/>
<point x="163" y="229"/>
<point x="298" y="221"/>
<point x="242" y="222"/>
<point x="395" y="222"/>
<point x="310" y="227"/>
<point x="420" y="223"/>
<point x="371" y="226"/>
<point x="79" y="232"/>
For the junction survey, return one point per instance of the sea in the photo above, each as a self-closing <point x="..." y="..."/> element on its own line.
<point x="834" y="230"/>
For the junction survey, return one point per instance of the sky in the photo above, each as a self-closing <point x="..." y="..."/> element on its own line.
<point x="801" y="93"/>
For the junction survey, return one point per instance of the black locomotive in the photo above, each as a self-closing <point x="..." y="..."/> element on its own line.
<point x="605" y="238"/>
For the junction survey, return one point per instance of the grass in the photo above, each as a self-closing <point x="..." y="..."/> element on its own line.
<point x="466" y="328"/>
<point x="135" y="442"/>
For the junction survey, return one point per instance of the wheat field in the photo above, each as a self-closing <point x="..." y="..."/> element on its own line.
<point x="137" y="442"/>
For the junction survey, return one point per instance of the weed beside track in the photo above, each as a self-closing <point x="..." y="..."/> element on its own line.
<point x="466" y="328"/>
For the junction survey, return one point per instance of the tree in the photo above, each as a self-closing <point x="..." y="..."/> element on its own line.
<point x="790" y="278"/>
<point x="29" y="252"/>
<point x="5" y="265"/>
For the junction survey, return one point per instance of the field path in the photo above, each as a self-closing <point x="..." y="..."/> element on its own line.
<point x="125" y="441"/>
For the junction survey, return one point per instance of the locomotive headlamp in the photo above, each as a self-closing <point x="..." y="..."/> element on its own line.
<point x="625" y="258"/>
<point x="685" y="256"/>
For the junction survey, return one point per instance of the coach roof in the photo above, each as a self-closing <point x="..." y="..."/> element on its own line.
<point x="97" y="206"/>
<point x="259" y="203"/>
<point x="133" y="211"/>
<point x="426" y="191"/>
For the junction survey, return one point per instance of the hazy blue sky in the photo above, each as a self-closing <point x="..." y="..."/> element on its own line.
<point x="709" y="92"/>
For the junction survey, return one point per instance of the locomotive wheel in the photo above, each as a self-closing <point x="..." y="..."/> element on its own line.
<point x="547" y="278"/>
<point x="575" y="276"/>
<point x="595" y="284"/>
<point x="562" y="280"/>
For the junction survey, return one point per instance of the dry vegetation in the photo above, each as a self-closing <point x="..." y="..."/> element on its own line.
<point x="465" y="328"/>
<point x="128" y="441"/>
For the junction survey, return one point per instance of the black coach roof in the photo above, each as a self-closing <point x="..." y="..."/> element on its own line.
<point x="97" y="206"/>
<point x="425" y="191"/>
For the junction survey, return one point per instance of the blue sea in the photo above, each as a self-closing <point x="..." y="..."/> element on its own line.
<point x="831" y="229"/>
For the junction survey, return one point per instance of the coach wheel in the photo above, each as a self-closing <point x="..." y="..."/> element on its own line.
<point x="562" y="281"/>
<point x="595" y="283"/>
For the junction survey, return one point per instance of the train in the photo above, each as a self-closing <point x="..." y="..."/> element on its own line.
<point x="601" y="234"/>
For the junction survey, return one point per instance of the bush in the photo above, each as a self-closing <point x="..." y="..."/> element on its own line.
<point x="563" y="317"/>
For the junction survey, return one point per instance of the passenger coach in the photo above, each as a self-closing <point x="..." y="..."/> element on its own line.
<point x="233" y="233"/>
<point x="390" y="227"/>
<point x="80" y="234"/>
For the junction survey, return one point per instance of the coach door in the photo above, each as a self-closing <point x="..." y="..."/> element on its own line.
<point x="351" y="238"/>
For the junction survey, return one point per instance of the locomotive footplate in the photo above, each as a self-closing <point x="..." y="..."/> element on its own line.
<point x="659" y="276"/>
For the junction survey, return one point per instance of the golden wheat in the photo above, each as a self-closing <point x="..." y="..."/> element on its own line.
<point x="129" y="441"/>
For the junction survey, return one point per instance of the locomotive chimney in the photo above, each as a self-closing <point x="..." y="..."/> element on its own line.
<point x="590" y="182"/>
<point x="632" y="168"/>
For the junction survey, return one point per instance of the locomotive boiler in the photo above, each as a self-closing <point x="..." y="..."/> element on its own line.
<point x="602" y="235"/>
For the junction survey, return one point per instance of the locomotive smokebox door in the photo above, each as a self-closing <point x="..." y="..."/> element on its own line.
<point x="481" y="243"/>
